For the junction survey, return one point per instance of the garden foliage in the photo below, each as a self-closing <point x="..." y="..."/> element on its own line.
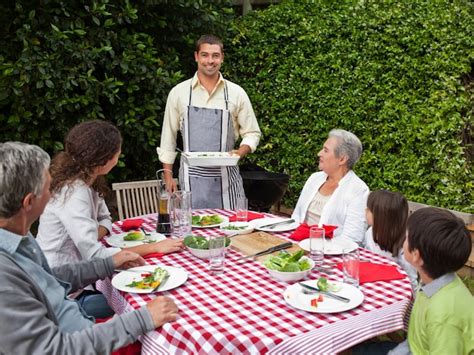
<point x="396" y="73"/>
<point x="62" y="62"/>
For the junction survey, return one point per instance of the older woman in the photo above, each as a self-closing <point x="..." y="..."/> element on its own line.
<point x="336" y="195"/>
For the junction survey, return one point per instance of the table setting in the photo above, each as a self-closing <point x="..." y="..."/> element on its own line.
<point x="239" y="306"/>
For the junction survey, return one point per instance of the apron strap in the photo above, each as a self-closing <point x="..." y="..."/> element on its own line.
<point x="226" y="94"/>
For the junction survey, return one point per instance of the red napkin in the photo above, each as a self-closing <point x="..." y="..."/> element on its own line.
<point x="370" y="272"/>
<point x="302" y="232"/>
<point x="153" y="255"/>
<point x="131" y="224"/>
<point x="250" y="216"/>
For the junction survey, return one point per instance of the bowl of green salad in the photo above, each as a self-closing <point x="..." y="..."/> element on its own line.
<point x="199" y="246"/>
<point x="288" y="267"/>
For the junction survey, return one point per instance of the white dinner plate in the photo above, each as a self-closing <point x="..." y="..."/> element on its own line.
<point x="294" y="296"/>
<point x="210" y="158"/>
<point x="333" y="246"/>
<point x="116" y="240"/>
<point x="281" y="228"/>
<point x="244" y="228"/>
<point x="224" y="220"/>
<point x="178" y="276"/>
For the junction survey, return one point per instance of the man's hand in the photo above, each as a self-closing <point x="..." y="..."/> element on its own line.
<point x="162" y="310"/>
<point x="242" y="151"/>
<point x="171" y="185"/>
<point x="127" y="259"/>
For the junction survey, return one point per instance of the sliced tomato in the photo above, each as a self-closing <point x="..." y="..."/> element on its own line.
<point x="314" y="302"/>
<point x="145" y="274"/>
<point x="320" y="298"/>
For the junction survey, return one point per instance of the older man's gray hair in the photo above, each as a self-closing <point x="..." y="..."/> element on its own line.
<point x="22" y="168"/>
<point x="348" y="145"/>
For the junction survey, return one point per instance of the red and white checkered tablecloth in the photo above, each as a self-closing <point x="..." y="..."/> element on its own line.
<point x="243" y="310"/>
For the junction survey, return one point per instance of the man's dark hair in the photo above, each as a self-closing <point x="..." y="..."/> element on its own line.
<point x="209" y="39"/>
<point x="441" y="238"/>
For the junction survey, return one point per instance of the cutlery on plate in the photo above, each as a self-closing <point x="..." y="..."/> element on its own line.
<point x="268" y="251"/>
<point x="273" y="225"/>
<point x="137" y="271"/>
<point x="326" y="293"/>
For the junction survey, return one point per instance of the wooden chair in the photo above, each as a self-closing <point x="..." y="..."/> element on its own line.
<point x="136" y="198"/>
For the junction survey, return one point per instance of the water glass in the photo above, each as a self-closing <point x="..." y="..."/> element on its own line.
<point x="316" y="245"/>
<point x="241" y="211"/>
<point x="216" y="254"/>
<point x="350" y="266"/>
<point x="181" y="213"/>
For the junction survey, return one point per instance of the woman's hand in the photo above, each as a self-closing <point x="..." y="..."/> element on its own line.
<point x="126" y="259"/>
<point x="169" y="246"/>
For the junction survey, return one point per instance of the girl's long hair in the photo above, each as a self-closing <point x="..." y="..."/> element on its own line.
<point x="88" y="145"/>
<point x="390" y="214"/>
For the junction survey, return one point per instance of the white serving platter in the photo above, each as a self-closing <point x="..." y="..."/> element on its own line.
<point x="210" y="158"/>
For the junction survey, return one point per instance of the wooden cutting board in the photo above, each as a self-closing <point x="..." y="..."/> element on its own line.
<point x="252" y="243"/>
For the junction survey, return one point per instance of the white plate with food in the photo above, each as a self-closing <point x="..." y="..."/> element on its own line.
<point x="261" y="224"/>
<point x="317" y="302"/>
<point x="137" y="279"/>
<point x="333" y="246"/>
<point x="235" y="228"/>
<point x="210" y="158"/>
<point x="209" y="220"/>
<point x="133" y="238"/>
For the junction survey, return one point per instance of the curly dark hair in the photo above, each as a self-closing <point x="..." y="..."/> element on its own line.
<point x="88" y="145"/>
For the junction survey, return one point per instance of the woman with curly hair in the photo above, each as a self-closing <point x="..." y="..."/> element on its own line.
<point x="76" y="217"/>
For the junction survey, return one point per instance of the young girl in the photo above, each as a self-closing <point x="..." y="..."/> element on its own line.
<point x="76" y="217"/>
<point x="387" y="214"/>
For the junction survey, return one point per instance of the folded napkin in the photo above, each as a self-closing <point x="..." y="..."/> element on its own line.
<point x="250" y="216"/>
<point x="371" y="272"/>
<point x="134" y="223"/>
<point x="302" y="232"/>
<point x="153" y="255"/>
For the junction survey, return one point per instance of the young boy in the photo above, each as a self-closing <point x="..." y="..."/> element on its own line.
<point x="442" y="319"/>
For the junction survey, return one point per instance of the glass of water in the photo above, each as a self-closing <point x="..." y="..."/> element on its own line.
<point x="316" y="245"/>
<point x="216" y="254"/>
<point x="350" y="266"/>
<point x="181" y="213"/>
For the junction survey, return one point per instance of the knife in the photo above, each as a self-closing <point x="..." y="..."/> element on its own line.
<point x="326" y="293"/>
<point x="268" y="251"/>
<point x="272" y="225"/>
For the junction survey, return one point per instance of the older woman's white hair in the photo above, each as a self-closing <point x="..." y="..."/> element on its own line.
<point x="348" y="145"/>
<point x="22" y="171"/>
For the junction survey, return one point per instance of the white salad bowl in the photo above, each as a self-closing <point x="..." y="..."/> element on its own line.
<point x="202" y="253"/>
<point x="234" y="228"/>
<point x="286" y="276"/>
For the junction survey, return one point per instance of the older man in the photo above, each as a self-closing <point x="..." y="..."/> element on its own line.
<point x="35" y="314"/>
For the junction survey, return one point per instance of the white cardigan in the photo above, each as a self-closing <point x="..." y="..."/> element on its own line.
<point x="68" y="228"/>
<point x="345" y="208"/>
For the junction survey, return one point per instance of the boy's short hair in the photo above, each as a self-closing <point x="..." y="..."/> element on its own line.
<point x="441" y="238"/>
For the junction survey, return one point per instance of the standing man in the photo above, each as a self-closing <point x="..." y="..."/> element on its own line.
<point x="211" y="114"/>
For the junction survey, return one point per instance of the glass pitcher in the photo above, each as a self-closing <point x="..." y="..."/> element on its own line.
<point x="181" y="213"/>
<point x="163" y="222"/>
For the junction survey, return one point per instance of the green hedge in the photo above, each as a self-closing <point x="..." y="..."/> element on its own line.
<point x="396" y="73"/>
<point x="62" y="62"/>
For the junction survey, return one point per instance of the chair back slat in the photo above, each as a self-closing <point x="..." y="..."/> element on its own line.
<point x="136" y="198"/>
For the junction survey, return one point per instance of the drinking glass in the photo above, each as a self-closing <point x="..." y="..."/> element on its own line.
<point x="181" y="213"/>
<point x="216" y="254"/>
<point x="241" y="211"/>
<point x="350" y="266"/>
<point x="316" y="245"/>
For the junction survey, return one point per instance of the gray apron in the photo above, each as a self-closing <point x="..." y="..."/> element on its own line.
<point x="210" y="130"/>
